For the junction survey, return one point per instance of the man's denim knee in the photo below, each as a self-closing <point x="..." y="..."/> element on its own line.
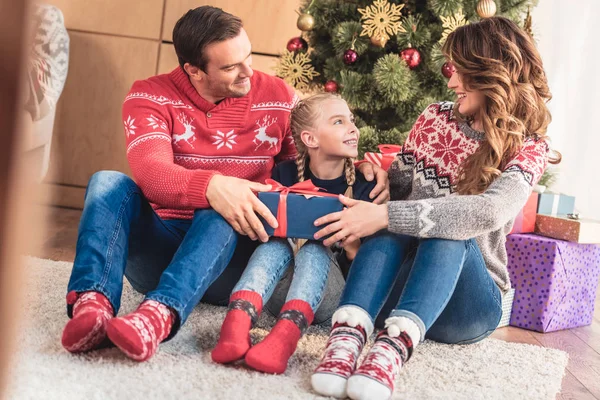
<point x="103" y="183"/>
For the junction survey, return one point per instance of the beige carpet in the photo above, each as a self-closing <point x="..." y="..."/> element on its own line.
<point x="182" y="369"/>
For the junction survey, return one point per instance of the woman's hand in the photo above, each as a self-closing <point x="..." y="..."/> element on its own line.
<point x="358" y="220"/>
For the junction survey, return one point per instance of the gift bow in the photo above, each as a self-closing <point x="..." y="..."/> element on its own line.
<point x="304" y="187"/>
<point x="389" y="149"/>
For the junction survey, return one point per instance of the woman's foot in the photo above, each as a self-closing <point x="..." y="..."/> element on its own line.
<point x="87" y="329"/>
<point x="352" y="326"/>
<point x="138" y="334"/>
<point x="374" y="379"/>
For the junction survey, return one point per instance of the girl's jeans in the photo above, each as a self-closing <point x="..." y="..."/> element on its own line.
<point x="270" y="260"/>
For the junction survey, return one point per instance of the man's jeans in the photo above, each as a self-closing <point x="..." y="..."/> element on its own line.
<point x="176" y="262"/>
<point x="442" y="285"/>
<point x="270" y="260"/>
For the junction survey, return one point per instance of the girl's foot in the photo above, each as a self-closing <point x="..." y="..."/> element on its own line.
<point x="87" y="329"/>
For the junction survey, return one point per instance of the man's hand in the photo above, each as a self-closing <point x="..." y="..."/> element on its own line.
<point x="381" y="191"/>
<point x="235" y="200"/>
<point x="359" y="220"/>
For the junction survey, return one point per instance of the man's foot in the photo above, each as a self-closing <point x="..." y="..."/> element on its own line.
<point x="138" y="334"/>
<point x="234" y="340"/>
<point x="272" y="354"/>
<point x="87" y="329"/>
<point x="374" y="379"/>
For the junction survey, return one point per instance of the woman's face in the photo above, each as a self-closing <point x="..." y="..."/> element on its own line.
<point x="469" y="103"/>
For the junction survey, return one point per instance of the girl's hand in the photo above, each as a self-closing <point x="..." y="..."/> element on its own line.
<point x="351" y="249"/>
<point x="358" y="220"/>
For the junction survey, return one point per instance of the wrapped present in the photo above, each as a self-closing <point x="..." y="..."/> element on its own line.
<point x="555" y="282"/>
<point x="555" y="204"/>
<point x="385" y="157"/>
<point x="297" y="207"/>
<point x="572" y="230"/>
<point x="507" y="303"/>
<point x="525" y="220"/>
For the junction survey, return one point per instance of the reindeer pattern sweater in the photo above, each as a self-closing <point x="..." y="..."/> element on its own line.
<point x="423" y="187"/>
<point x="177" y="141"/>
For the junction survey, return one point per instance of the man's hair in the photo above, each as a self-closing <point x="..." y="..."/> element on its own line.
<point x="200" y="27"/>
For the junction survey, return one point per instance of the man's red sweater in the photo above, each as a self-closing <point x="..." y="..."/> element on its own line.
<point x="177" y="141"/>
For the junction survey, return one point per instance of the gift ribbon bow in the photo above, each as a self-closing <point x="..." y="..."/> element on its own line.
<point x="304" y="187"/>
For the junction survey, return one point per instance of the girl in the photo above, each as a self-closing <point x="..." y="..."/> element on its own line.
<point x="327" y="142"/>
<point x="464" y="173"/>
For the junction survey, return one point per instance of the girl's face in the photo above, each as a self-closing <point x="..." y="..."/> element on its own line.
<point x="469" y="103"/>
<point x="335" y="134"/>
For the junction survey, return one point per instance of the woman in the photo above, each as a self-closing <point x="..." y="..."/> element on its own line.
<point x="465" y="171"/>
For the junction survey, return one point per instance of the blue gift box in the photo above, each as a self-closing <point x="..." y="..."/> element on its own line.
<point x="302" y="211"/>
<point x="555" y="204"/>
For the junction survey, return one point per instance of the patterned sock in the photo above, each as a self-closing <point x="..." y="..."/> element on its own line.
<point x="272" y="354"/>
<point x="234" y="340"/>
<point x="87" y="329"/>
<point x="374" y="379"/>
<point x="139" y="333"/>
<point x="339" y="361"/>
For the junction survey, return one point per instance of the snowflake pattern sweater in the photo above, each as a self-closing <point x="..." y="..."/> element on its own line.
<point x="177" y="141"/>
<point x="423" y="182"/>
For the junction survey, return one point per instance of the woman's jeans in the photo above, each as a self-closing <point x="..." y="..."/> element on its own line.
<point x="442" y="285"/>
<point x="270" y="260"/>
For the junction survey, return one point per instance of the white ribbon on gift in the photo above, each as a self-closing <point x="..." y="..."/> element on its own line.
<point x="555" y="202"/>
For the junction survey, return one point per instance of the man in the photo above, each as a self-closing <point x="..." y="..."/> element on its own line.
<point x="199" y="142"/>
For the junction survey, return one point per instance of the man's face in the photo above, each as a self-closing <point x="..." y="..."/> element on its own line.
<point x="228" y="69"/>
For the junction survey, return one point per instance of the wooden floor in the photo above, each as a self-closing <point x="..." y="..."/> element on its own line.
<point x="582" y="380"/>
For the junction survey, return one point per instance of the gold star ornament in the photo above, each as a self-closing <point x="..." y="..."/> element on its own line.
<point x="381" y="19"/>
<point x="296" y="69"/>
<point x="450" y="24"/>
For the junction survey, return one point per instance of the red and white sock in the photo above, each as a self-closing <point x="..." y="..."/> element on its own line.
<point x="87" y="329"/>
<point x="234" y="342"/>
<point x="352" y="326"/>
<point x="374" y="379"/>
<point x="138" y="334"/>
<point x="272" y="354"/>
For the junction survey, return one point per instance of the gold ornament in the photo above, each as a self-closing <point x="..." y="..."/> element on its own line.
<point x="381" y="19"/>
<point x="528" y="24"/>
<point x="306" y="22"/>
<point x="296" y="69"/>
<point x="486" y="8"/>
<point x="450" y="24"/>
<point x="379" y="41"/>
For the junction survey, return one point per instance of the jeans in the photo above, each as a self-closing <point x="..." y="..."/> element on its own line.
<point x="175" y="262"/>
<point x="441" y="285"/>
<point x="270" y="260"/>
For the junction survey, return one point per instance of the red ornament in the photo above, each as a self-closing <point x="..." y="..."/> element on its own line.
<point x="331" y="86"/>
<point x="448" y="69"/>
<point x="412" y="57"/>
<point x="350" y="57"/>
<point x="297" y="44"/>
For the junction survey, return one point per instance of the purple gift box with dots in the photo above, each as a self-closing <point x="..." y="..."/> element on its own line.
<point x="555" y="282"/>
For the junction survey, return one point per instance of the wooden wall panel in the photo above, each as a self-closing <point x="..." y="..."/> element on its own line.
<point x="269" y="23"/>
<point x="88" y="131"/>
<point x="64" y="196"/>
<point x="137" y="18"/>
<point x="168" y="60"/>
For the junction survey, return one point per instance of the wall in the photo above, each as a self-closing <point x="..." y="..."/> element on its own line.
<point x="114" y="43"/>
<point x="567" y="38"/>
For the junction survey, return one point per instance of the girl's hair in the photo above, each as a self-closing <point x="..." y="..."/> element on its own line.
<point x="305" y="116"/>
<point x="499" y="59"/>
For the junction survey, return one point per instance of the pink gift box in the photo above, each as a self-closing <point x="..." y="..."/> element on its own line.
<point x="555" y="282"/>
<point x="385" y="157"/>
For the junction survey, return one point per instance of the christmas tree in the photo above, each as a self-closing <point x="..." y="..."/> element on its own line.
<point x="383" y="56"/>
